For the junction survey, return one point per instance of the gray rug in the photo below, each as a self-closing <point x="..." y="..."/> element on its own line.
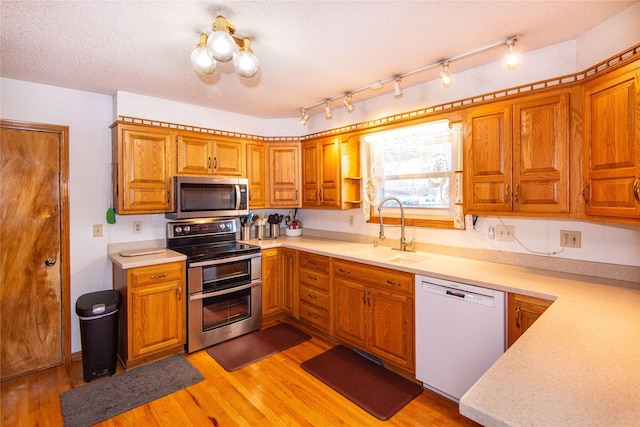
<point x="108" y="397"/>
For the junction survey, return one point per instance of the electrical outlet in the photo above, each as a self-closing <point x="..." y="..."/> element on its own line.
<point x="351" y="218"/>
<point x="505" y="233"/>
<point x="570" y="239"/>
<point x="97" y="230"/>
<point x="137" y="227"/>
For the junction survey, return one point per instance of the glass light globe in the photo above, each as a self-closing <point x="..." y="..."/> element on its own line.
<point x="245" y="63"/>
<point x="512" y="60"/>
<point x="202" y="61"/>
<point x="221" y="45"/>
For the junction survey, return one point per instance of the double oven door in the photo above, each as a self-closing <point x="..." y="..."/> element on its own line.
<point x="225" y="299"/>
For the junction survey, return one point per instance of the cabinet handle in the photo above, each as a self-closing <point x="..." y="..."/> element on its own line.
<point x="391" y="282"/>
<point x="507" y="194"/>
<point x="310" y="295"/>
<point x="364" y="297"/>
<point x="312" y="277"/>
<point x="369" y="298"/>
<point x="321" y="194"/>
<point x="315" y="195"/>
<point x="517" y="195"/>
<point x="344" y="271"/>
<point x="584" y="196"/>
<point x="160" y="276"/>
<point x="179" y="292"/>
<point x="636" y="190"/>
<point x="209" y="163"/>
<point x="312" y="262"/>
<point x="518" y="317"/>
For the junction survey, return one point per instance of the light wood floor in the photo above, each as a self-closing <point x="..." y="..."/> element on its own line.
<point x="272" y="392"/>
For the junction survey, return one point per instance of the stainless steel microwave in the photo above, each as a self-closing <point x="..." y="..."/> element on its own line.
<point x="197" y="197"/>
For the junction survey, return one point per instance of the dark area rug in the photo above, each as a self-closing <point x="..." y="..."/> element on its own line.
<point x="247" y="349"/>
<point x="107" y="397"/>
<point x="372" y="387"/>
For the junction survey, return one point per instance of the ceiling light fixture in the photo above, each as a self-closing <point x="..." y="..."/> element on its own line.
<point x="221" y="45"/>
<point x="512" y="57"/>
<point x="327" y="111"/>
<point x="396" y="79"/>
<point x="445" y="76"/>
<point x="397" y="92"/>
<point x="347" y="104"/>
<point x="305" y="117"/>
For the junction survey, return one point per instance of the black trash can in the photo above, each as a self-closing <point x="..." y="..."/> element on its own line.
<point x="98" y="313"/>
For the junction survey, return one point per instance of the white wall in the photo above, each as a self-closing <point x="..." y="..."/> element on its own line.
<point x="89" y="116"/>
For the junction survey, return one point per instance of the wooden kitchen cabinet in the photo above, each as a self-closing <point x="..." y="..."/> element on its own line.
<point x="373" y="309"/>
<point x="141" y="177"/>
<point x="611" y="136"/>
<point x="331" y="173"/>
<point x="271" y="282"/>
<point x="257" y="174"/>
<point x="522" y="311"/>
<point x="152" y="317"/>
<point x="289" y="282"/>
<point x="516" y="157"/>
<point x="201" y="154"/>
<point x="314" y="290"/>
<point x="284" y="175"/>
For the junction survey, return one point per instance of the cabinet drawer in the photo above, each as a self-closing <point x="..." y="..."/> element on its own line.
<point x="313" y="278"/>
<point x="156" y="273"/>
<point x="314" y="315"/>
<point x="381" y="278"/>
<point x="314" y="262"/>
<point x="314" y="296"/>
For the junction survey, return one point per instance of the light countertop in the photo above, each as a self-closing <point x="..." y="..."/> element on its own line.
<point x="126" y="262"/>
<point x="579" y="364"/>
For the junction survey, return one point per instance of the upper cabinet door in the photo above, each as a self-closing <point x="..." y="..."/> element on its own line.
<point x="257" y="175"/>
<point x="611" y="144"/>
<point x="142" y="183"/>
<point x="199" y="155"/>
<point x="487" y="159"/>
<point x="541" y="154"/>
<point x="284" y="175"/>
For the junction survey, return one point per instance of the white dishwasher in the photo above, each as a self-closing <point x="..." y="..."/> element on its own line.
<point x="460" y="333"/>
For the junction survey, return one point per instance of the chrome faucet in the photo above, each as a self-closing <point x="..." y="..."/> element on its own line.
<point x="403" y="241"/>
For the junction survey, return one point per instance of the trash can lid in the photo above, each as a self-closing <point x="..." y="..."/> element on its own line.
<point x="98" y="303"/>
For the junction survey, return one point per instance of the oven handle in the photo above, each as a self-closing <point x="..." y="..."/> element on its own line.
<point x="224" y="260"/>
<point x="201" y="295"/>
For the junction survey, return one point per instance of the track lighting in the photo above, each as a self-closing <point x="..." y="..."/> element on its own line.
<point x="327" y="111"/>
<point x="221" y="45"/>
<point x="305" y="117"/>
<point x="445" y="76"/>
<point x="397" y="92"/>
<point x="512" y="58"/>
<point x="347" y="103"/>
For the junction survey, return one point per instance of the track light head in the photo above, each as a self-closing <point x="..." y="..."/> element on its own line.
<point x="327" y="110"/>
<point x="397" y="92"/>
<point x="445" y="76"/>
<point x="305" y="117"/>
<point x="512" y="58"/>
<point x="347" y="104"/>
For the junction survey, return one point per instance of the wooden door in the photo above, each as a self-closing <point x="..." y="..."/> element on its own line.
<point x="612" y="144"/>
<point x="227" y="158"/>
<point x="487" y="159"/>
<point x="271" y="282"/>
<point x="350" y="312"/>
<point x="257" y="175"/>
<point x="523" y="311"/>
<point x="289" y="282"/>
<point x="330" y="165"/>
<point x="194" y="155"/>
<point x="284" y="174"/>
<point x="310" y="174"/>
<point x="391" y="331"/>
<point x="541" y="154"/>
<point x="34" y="248"/>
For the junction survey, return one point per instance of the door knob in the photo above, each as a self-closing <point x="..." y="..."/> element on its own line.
<point x="49" y="262"/>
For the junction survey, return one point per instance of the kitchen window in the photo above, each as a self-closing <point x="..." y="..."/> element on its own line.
<point x="422" y="166"/>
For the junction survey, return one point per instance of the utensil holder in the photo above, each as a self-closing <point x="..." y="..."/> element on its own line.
<point x="275" y="231"/>
<point x="261" y="231"/>
<point x="245" y="232"/>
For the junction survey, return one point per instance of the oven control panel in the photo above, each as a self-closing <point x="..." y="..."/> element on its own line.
<point x="201" y="227"/>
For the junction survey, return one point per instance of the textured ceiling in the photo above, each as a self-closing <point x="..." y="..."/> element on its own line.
<point x="308" y="50"/>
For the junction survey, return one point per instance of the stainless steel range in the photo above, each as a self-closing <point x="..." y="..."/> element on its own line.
<point x="224" y="280"/>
